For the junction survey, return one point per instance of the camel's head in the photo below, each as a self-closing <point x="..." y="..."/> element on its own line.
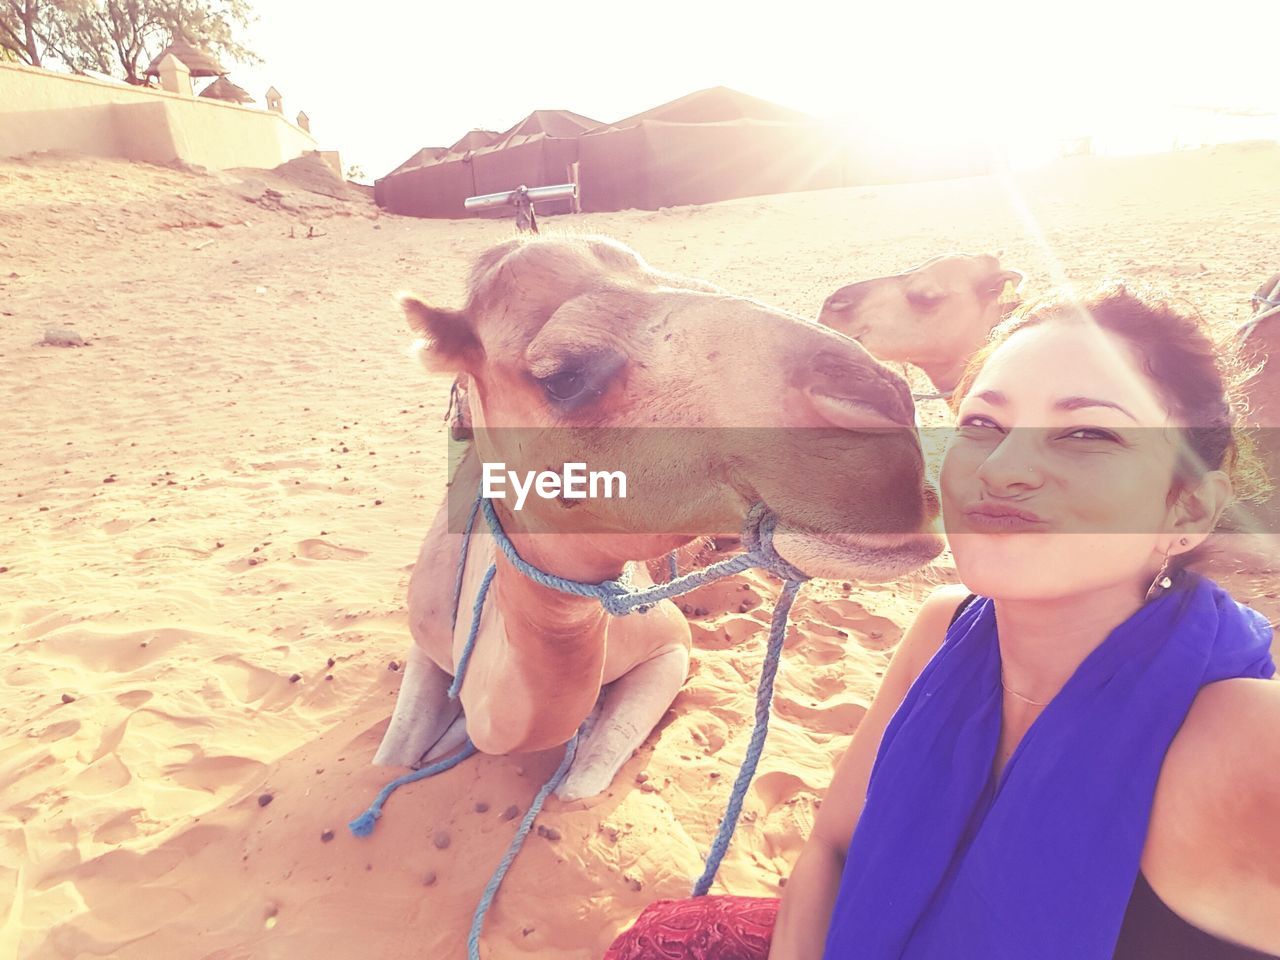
<point x="935" y="316"/>
<point x="1257" y="334"/>
<point x="1257" y="340"/>
<point x="575" y="350"/>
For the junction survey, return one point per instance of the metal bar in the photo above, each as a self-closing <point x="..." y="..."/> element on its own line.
<point x="555" y="192"/>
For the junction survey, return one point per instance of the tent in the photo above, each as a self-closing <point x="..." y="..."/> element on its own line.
<point x="539" y="151"/>
<point x="201" y="63"/>
<point x="716" y="144"/>
<point x="474" y="140"/>
<point x="419" y="157"/>
<point x="535" y="152"/>
<point x="434" y="182"/>
<point x="224" y="89"/>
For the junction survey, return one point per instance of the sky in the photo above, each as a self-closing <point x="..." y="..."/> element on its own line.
<point x="1136" y="76"/>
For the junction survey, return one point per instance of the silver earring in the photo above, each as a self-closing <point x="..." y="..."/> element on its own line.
<point x="1161" y="583"/>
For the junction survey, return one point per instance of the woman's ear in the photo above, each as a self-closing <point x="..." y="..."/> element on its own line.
<point x="447" y="344"/>
<point x="1198" y="508"/>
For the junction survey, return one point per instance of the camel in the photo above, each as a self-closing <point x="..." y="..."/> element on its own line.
<point x="1257" y="340"/>
<point x="568" y="346"/>
<point x="934" y="316"/>
<point x="1257" y="524"/>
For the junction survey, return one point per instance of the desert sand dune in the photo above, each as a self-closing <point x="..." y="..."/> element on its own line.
<point x="210" y="512"/>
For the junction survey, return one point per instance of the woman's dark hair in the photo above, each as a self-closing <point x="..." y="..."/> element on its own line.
<point x="1174" y="347"/>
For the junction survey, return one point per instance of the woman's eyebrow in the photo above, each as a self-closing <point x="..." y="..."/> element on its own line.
<point x="998" y="399"/>
<point x="1077" y="403"/>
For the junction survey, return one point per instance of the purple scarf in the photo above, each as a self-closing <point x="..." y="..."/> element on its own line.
<point x="946" y="863"/>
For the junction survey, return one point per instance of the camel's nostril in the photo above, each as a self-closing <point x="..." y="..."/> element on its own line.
<point x="847" y="299"/>
<point x="860" y="382"/>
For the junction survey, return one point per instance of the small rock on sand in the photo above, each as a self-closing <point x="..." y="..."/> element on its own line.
<point x="68" y="698"/>
<point x="264" y="799"/>
<point x="62" y="337"/>
<point x="482" y="807"/>
<point x="510" y="813"/>
<point x="441" y="839"/>
<point x="326" y="836"/>
<point x="429" y="879"/>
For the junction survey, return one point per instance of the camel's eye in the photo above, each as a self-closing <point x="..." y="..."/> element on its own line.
<point x="565" y="385"/>
<point x="924" y="300"/>
<point x="579" y="379"/>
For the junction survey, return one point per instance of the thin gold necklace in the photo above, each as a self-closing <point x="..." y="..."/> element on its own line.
<point x="1034" y="703"/>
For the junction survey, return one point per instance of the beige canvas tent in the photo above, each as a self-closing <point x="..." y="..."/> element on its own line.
<point x="539" y="151"/>
<point x="535" y="152"/>
<point x="715" y="144"/>
<point x="224" y="89"/>
<point x="201" y="63"/>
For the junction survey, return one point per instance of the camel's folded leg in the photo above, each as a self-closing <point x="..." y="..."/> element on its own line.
<point x="632" y="706"/>
<point x="423" y="713"/>
<point x="449" y="741"/>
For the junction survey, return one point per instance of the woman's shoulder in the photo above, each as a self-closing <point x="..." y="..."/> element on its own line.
<point x="1228" y="744"/>
<point x="1213" y="846"/>
<point x="929" y="628"/>
<point x="1228" y="739"/>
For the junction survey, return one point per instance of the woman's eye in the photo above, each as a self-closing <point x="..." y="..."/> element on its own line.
<point x="564" y="385"/>
<point x="1090" y="433"/>
<point x="977" y="423"/>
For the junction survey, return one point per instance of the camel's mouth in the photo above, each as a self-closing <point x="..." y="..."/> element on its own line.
<point x="869" y="557"/>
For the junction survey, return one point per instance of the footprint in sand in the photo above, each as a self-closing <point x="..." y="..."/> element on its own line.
<point x="847" y="620"/>
<point x="316" y="549"/>
<point x="709" y="732"/>
<point x="778" y="786"/>
<point x="132" y="699"/>
<point x="171" y="553"/>
<point x="287" y="465"/>
<point x="834" y="716"/>
<point x="123" y="826"/>
<point x="729" y="632"/>
<point x="105" y="776"/>
<point x="212" y="773"/>
<point x="244" y="681"/>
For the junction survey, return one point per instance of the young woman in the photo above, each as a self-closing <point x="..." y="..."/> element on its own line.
<point x="1099" y="776"/>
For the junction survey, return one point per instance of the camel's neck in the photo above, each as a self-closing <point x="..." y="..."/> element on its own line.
<point x="552" y="626"/>
<point x="946" y="375"/>
<point x="546" y="626"/>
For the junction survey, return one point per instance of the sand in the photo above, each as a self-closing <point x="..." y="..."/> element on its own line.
<point x="210" y="511"/>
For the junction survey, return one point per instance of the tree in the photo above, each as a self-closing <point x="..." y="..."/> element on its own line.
<point x="20" y="21"/>
<point x="120" y="36"/>
<point x="355" y="172"/>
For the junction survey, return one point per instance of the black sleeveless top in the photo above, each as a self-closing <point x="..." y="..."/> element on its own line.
<point x="1152" y="931"/>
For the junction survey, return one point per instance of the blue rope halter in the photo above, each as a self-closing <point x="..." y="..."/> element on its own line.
<point x="618" y="598"/>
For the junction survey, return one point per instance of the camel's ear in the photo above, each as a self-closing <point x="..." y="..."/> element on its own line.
<point x="994" y="285"/>
<point x="448" y="342"/>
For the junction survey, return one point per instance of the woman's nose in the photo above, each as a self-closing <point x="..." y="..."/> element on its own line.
<point x="1015" y="463"/>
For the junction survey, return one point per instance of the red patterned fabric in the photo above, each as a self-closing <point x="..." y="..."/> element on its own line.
<point x="700" y="928"/>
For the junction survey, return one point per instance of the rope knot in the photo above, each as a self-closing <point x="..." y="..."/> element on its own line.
<point x="618" y="604"/>
<point x="757" y="536"/>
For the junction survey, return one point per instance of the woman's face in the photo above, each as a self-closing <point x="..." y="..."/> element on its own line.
<point x="1058" y="477"/>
